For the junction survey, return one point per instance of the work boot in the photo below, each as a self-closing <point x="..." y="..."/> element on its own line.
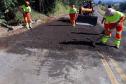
<point x="30" y="25"/>
<point x="27" y="26"/>
<point x="117" y="43"/>
<point x="73" y="25"/>
<point x="105" y="39"/>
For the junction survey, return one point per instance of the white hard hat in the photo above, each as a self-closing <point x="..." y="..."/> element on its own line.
<point x="110" y="12"/>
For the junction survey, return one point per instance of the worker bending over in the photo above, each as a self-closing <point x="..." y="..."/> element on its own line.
<point x="113" y="19"/>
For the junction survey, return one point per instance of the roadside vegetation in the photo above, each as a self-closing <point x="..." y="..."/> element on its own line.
<point x="41" y="9"/>
<point x="101" y="9"/>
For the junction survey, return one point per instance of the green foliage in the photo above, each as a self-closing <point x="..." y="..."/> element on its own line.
<point x="59" y="8"/>
<point x="116" y="6"/>
<point x="102" y="7"/>
<point x="5" y="4"/>
<point x="48" y="7"/>
<point x="21" y="2"/>
<point x="122" y="6"/>
<point x="36" y="16"/>
<point x="99" y="2"/>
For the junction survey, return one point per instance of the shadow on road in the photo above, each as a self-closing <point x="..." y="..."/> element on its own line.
<point x="59" y="25"/>
<point x="84" y="43"/>
<point x="84" y="33"/>
<point x="65" y="20"/>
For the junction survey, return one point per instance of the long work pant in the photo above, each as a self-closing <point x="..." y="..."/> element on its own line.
<point x="27" y="18"/>
<point x="110" y="26"/>
<point x="73" y="18"/>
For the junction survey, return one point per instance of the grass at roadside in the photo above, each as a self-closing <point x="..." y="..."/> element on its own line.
<point x="35" y="16"/>
<point x="60" y="9"/>
<point x="101" y="10"/>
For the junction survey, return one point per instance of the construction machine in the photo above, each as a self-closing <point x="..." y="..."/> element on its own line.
<point x="86" y="13"/>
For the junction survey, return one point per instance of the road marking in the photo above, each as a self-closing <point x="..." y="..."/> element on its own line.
<point x="108" y="70"/>
<point x="119" y="70"/>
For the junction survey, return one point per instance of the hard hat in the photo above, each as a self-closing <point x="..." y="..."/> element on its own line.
<point x="110" y="12"/>
<point x="27" y="2"/>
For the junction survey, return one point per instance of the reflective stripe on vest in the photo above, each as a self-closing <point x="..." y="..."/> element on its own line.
<point x="72" y="10"/>
<point x="119" y="32"/>
<point x="115" y="18"/>
<point x="26" y="9"/>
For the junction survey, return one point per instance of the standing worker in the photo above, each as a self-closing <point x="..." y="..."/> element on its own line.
<point x="113" y="19"/>
<point x="73" y="14"/>
<point x="26" y="10"/>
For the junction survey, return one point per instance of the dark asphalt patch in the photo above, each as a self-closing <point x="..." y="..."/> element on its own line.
<point x="59" y="35"/>
<point x="71" y="57"/>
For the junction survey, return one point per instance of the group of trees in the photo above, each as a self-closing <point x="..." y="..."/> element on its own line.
<point x="45" y="6"/>
<point x="39" y="5"/>
<point x="122" y="7"/>
<point x="119" y="6"/>
<point x="5" y="4"/>
<point x="42" y="6"/>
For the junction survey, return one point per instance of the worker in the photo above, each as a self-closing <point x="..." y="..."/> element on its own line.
<point x="113" y="19"/>
<point x="26" y="10"/>
<point x="73" y="14"/>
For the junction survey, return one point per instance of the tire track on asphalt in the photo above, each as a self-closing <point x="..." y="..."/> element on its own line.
<point x="118" y="69"/>
<point x="110" y="72"/>
<point x="108" y="69"/>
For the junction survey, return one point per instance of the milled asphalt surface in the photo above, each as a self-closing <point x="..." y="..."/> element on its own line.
<point x="57" y="53"/>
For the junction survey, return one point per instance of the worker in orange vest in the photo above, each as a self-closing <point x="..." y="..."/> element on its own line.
<point x="113" y="19"/>
<point x="73" y="14"/>
<point x="26" y="10"/>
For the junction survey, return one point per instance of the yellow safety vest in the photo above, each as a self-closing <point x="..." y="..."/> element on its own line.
<point x="114" y="18"/>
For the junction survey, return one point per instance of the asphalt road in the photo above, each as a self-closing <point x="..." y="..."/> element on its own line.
<point x="57" y="53"/>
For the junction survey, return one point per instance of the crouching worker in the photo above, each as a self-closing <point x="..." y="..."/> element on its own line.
<point x="113" y="19"/>
<point x="73" y="14"/>
<point x="26" y="9"/>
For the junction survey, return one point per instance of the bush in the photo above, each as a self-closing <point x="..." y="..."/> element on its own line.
<point x="59" y="9"/>
<point x="122" y="6"/>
